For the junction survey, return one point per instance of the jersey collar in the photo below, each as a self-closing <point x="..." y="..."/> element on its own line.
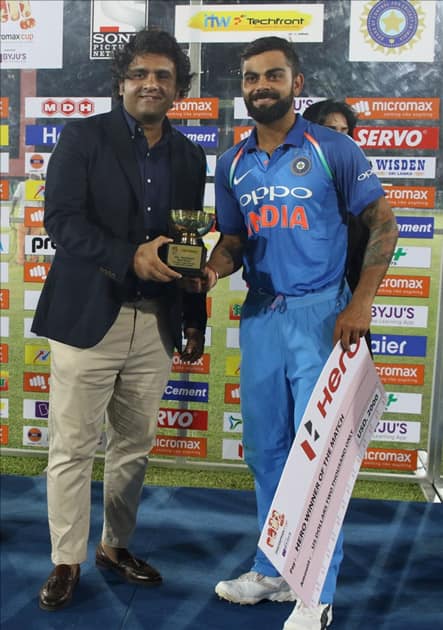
<point x="294" y="136"/>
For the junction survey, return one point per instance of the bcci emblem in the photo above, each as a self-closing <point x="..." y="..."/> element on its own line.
<point x="301" y="166"/>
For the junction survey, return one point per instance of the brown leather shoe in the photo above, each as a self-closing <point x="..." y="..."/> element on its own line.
<point x="128" y="567"/>
<point x="57" y="591"/>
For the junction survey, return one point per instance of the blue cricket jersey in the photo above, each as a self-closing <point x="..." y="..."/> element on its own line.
<point x="293" y="206"/>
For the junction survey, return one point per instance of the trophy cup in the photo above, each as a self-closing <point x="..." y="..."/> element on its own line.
<point x="187" y="254"/>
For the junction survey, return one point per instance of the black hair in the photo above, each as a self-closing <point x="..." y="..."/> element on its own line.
<point x="264" y="44"/>
<point x="319" y="111"/>
<point x="159" y="43"/>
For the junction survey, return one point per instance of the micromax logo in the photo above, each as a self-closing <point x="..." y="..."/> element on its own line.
<point x="68" y="107"/>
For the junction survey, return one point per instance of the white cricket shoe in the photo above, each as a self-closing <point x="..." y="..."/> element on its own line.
<point x="304" y="618"/>
<point x="252" y="587"/>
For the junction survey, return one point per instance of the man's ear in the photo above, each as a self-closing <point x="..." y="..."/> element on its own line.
<point x="298" y="83"/>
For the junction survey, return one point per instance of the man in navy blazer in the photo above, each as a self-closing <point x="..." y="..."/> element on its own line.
<point x="111" y="309"/>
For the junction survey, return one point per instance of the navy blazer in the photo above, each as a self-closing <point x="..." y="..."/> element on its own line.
<point x="94" y="216"/>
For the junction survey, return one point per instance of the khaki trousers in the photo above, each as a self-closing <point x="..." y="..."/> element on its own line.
<point x="122" y="380"/>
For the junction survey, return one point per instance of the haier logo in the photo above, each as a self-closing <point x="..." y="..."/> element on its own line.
<point x="399" y="345"/>
<point x="184" y="390"/>
<point x="42" y="135"/>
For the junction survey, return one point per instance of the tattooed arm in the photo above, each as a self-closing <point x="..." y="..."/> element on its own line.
<point x="354" y="321"/>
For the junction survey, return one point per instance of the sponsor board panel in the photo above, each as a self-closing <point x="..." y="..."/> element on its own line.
<point x="113" y="24"/>
<point x="37" y="354"/>
<point x="36" y="163"/>
<point x="390" y="459"/>
<point x="397" y="137"/>
<point x="300" y="104"/>
<point x="399" y="345"/>
<point x="402" y="402"/>
<point x="35" y="272"/>
<point x="392" y="31"/>
<point x="186" y="390"/>
<point x="33" y="217"/>
<point x="228" y="23"/>
<point x="397" y="108"/>
<point x="232" y="366"/>
<point x="4" y="194"/>
<point x="35" y="436"/>
<point x="194" y="419"/>
<point x="4" y="107"/>
<point x="205" y="136"/>
<point x="415" y="227"/>
<point x="30" y="299"/>
<point x="405" y="286"/>
<point x="4" y="278"/>
<point x="232" y="422"/>
<point x="399" y="315"/>
<point x="410" y="196"/>
<point x="232" y="393"/>
<point x="417" y="257"/>
<point x="4" y="163"/>
<point x="4" y="408"/>
<point x="179" y="446"/>
<point x="418" y="167"/>
<point x="44" y="135"/>
<point x="4" y="326"/>
<point x="66" y="106"/>
<point x="4" y="353"/>
<point x="401" y="373"/>
<point x="397" y="431"/>
<point x="201" y="366"/>
<point x="4" y="434"/>
<point x="35" y="409"/>
<point x="4" y="293"/>
<point x="4" y="380"/>
<point x="198" y="108"/>
<point x="36" y="382"/>
<point x="40" y="245"/>
<point x="232" y="449"/>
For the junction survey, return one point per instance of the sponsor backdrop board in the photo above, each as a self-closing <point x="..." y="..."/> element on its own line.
<point x="383" y="57"/>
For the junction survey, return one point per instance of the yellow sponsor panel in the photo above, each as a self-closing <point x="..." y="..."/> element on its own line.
<point x="232" y="366"/>
<point x="37" y="355"/>
<point x="34" y="190"/>
<point x="247" y="20"/>
<point x="4" y="135"/>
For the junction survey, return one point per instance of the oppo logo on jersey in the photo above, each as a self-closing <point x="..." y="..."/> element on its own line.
<point x="271" y="193"/>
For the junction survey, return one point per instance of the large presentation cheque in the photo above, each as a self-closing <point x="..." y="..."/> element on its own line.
<point x="310" y="503"/>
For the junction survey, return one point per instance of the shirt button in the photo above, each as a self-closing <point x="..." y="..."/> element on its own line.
<point x="148" y="208"/>
<point x="148" y="154"/>
<point x="149" y="181"/>
<point x="147" y="237"/>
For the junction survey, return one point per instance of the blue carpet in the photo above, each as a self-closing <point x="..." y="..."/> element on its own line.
<point x="391" y="577"/>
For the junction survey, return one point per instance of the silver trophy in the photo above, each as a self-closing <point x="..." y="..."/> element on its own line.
<point x="187" y="254"/>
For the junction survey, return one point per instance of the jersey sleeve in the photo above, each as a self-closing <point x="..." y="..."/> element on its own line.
<point x="353" y="174"/>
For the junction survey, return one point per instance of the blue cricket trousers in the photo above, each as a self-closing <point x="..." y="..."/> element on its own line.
<point x="284" y="342"/>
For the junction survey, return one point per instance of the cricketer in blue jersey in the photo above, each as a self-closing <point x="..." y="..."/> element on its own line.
<point x="281" y="200"/>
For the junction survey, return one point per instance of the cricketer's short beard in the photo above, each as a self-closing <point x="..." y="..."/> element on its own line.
<point x="270" y="113"/>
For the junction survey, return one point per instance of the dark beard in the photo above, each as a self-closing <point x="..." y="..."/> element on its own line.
<point x="269" y="114"/>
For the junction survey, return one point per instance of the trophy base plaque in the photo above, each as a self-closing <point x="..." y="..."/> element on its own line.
<point x="186" y="259"/>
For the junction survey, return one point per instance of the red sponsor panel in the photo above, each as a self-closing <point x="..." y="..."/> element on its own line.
<point x="241" y="132"/>
<point x="35" y="272"/>
<point x="401" y="373"/>
<point x="201" y="366"/>
<point x="36" y="382"/>
<point x="4" y="434"/>
<point x="33" y="217"/>
<point x="4" y="353"/>
<point x="390" y="459"/>
<point x="396" y="108"/>
<point x="209" y="306"/>
<point x="232" y="393"/>
<point x="4" y="190"/>
<point x="410" y="196"/>
<point x="405" y="286"/>
<point x="34" y="434"/>
<point x="4" y="107"/>
<point x="179" y="446"/>
<point x="67" y="107"/>
<point x="194" y="419"/>
<point x="234" y="311"/>
<point x="194" y="108"/>
<point x="4" y="299"/>
<point x="397" y="137"/>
